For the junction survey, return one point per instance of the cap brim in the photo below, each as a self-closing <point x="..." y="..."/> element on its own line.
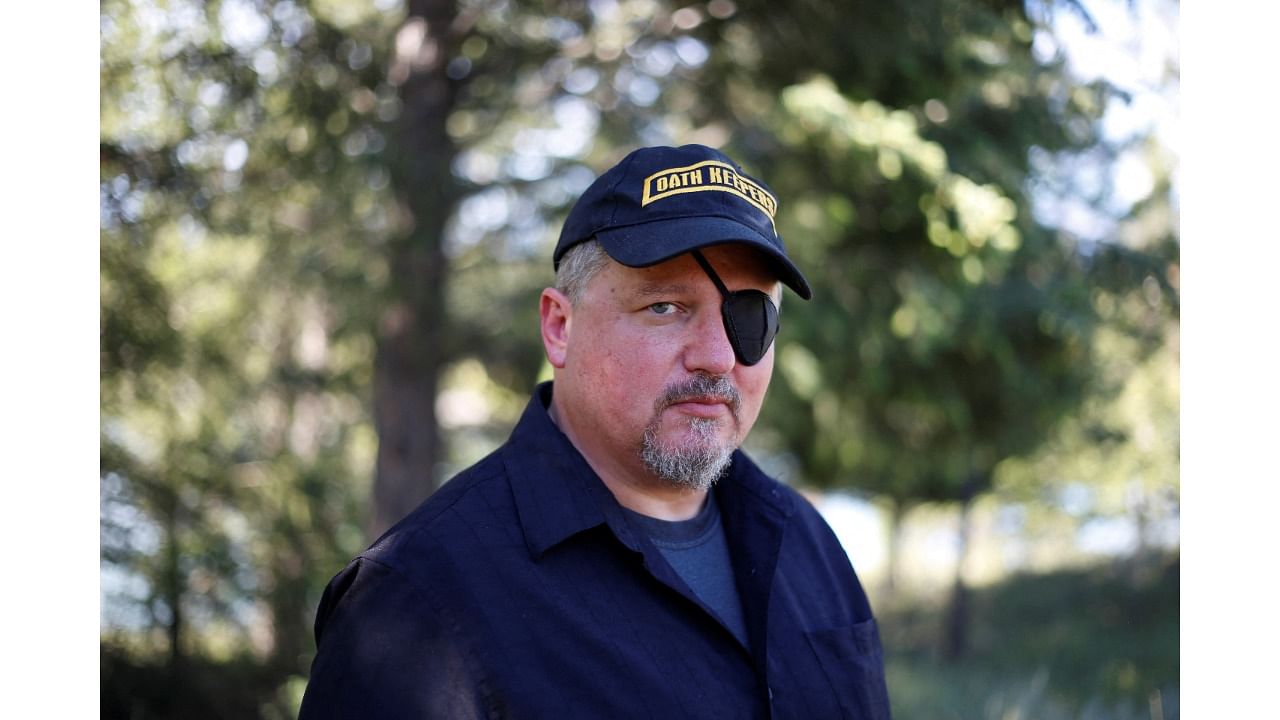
<point x="650" y="243"/>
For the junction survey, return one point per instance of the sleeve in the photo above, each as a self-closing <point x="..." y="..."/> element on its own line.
<point x="384" y="651"/>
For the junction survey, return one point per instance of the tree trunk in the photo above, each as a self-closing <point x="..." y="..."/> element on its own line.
<point x="896" y="515"/>
<point x="174" y="586"/>
<point x="956" y="636"/>
<point x="1140" y="510"/>
<point x="289" y="608"/>
<point x="411" y="330"/>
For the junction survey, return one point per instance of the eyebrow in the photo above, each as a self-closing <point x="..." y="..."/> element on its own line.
<point x="658" y="290"/>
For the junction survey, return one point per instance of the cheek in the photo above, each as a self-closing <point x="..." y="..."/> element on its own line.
<point x="627" y="352"/>
<point x="752" y="384"/>
<point x="619" y="368"/>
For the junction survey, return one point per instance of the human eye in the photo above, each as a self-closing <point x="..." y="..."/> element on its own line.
<point x="662" y="308"/>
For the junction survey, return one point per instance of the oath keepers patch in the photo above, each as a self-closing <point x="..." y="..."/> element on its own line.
<point x="704" y="176"/>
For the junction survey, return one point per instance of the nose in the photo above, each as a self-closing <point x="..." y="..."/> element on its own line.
<point x="707" y="349"/>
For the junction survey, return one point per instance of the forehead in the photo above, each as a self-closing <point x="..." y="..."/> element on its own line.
<point x="739" y="266"/>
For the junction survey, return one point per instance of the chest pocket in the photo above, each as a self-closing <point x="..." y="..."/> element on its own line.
<point x="853" y="661"/>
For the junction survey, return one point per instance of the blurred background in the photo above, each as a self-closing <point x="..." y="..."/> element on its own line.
<point x="324" y="226"/>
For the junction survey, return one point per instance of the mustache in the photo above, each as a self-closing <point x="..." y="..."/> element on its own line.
<point x="702" y="387"/>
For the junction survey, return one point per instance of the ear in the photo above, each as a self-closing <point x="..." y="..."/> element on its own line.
<point x="557" y="318"/>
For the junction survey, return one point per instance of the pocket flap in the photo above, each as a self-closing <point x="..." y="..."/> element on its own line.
<point x="853" y="661"/>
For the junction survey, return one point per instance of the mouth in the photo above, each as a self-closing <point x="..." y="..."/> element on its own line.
<point x="702" y="406"/>
<point x="703" y="397"/>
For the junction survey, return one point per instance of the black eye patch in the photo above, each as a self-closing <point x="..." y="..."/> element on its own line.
<point x="750" y="317"/>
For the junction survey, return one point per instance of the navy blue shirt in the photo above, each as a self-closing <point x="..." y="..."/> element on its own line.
<point x="699" y="552"/>
<point x="520" y="590"/>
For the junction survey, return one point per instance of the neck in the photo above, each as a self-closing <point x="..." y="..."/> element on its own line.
<point x="632" y="485"/>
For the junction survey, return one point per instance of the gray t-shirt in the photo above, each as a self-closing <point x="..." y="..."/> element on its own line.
<point x="699" y="553"/>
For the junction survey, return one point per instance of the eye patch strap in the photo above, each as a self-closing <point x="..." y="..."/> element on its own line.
<point x="711" y="273"/>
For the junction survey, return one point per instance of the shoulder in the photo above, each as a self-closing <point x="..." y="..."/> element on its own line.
<point x="753" y="480"/>
<point x="811" y="556"/>
<point x="806" y="530"/>
<point x="472" y="509"/>
<point x="405" y="569"/>
<point x="386" y="648"/>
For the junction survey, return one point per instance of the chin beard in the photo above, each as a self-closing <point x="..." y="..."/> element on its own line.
<point x="694" y="464"/>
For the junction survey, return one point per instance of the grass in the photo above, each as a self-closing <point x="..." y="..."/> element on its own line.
<point x="1086" y="644"/>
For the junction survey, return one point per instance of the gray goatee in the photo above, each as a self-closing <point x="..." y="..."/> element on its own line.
<point x="698" y="460"/>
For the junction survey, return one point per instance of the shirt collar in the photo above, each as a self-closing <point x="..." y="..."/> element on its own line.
<point x="556" y="492"/>
<point x="558" y="495"/>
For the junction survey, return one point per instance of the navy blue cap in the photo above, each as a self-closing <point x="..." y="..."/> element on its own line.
<point x="660" y="202"/>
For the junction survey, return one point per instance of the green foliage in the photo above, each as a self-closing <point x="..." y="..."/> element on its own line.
<point x="951" y="370"/>
<point x="950" y="331"/>
<point x="240" y="215"/>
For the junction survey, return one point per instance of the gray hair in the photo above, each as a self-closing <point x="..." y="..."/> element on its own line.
<point x="578" y="266"/>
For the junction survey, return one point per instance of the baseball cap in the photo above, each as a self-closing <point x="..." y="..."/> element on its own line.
<point x="660" y="202"/>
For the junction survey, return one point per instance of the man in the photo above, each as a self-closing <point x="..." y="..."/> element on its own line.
<point x="619" y="557"/>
